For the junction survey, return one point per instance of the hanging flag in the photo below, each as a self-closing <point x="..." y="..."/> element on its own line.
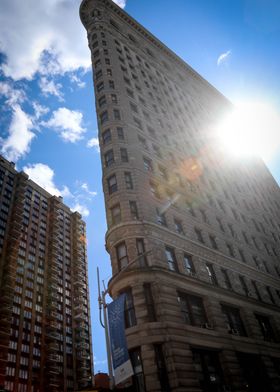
<point x="121" y="362"/>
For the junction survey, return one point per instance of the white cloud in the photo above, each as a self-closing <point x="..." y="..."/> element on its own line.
<point x="223" y="57"/>
<point x="33" y="30"/>
<point x="48" y="87"/>
<point x="83" y="210"/>
<point x="85" y="187"/>
<point x="12" y="95"/>
<point x="120" y="3"/>
<point x="68" y="123"/>
<point x="39" y="110"/>
<point x="93" y="143"/>
<point x="43" y="175"/>
<point x="20" y="136"/>
<point x="75" y="79"/>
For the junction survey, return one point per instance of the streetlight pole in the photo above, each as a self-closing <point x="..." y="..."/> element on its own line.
<point x="103" y="305"/>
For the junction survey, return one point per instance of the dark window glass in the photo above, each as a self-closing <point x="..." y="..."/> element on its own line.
<point x="161" y="220"/>
<point x="188" y="264"/>
<point x="226" y="279"/>
<point x="109" y="158"/>
<point x="124" y="155"/>
<point x="268" y="290"/>
<point x="122" y="255"/>
<point x="116" y="214"/>
<point x="211" y="274"/>
<point x="129" y="311"/>
<point x="149" y="302"/>
<point x="254" y="284"/>
<point x="233" y="321"/>
<point x="161" y="368"/>
<point x="117" y="115"/>
<point x="102" y="101"/>
<point x="133" y="210"/>
<point x="244" y="285"/>
<point x="120" y="133"/>
<point x="178" y="226"/>
<point x="148" y="165"/>
<point x="142" y="261"/>
<point x="171" y="259"/>
<point x="128" y="180"/>
<point x="198" y="233"/>
<point x="192" y="309"/>
<point x="106" y="136"/>
<point x="266" y="328"/>
<point x="138" y="377"/>
<point x="112" y="184"/>
<point x="104" y="117"/>
<point x="213" y="241"/>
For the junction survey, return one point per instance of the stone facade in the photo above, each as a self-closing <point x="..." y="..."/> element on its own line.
<point x="45" y="335"/>
<point x="196" y="231"/>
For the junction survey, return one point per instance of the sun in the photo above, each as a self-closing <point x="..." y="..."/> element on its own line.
<point x="250" y="129"/>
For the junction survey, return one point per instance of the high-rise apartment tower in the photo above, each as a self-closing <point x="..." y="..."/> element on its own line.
<point x="45" y="336"/>
<point x="201" y="230"/>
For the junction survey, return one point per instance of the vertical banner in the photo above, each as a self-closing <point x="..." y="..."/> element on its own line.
<point x="121" y="362"/>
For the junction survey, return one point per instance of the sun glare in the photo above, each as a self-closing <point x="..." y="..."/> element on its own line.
<point x="252" y="128"/>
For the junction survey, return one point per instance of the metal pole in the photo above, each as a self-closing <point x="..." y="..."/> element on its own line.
<point x="109" y="356"/>
<point x="102" y="304"/>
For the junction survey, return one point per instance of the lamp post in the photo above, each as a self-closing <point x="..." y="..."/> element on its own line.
<point x="103" y="306"/>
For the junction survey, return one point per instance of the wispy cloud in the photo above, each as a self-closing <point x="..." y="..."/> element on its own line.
<point x="13" y="95"/>
<point x="49" y="87"/>
<point x="20" y="135"/>
<point x="93" y="143"/>
<point x="85" y="187"/>
<point x="82" y="209"/>
<point x="67" y="123"/>
<point x="223" y="57"/>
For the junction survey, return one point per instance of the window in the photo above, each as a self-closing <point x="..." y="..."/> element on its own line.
<point x="102" y="101"/>
<point x="244" y="285"/>
<point x="116" y="214"/>
<point x="124" y="155"/>
<point x="138" y="123"/>
<point x="109" y="158"/>
<point x="112" y="184"/>
<point x="233" y="320"/>
<point x="242" y="256"/>
<point x="98" y="74"/>
<point x="104" y="117"/>
<point x="128" y="180"/>
<point x="171" y="259"/>
<point x="268" y="290"/>
<point x="143" y="142"/>
<point x="122" y="255"/>
<point x="120" y="133"/>
<point x="106" y="136"/>
<point x="192" y="309"/>
<point x="148" y="165"/>
<point x="266" y="328"/>
<point x="213" y="241"/>
<point x="142" y="261"/>
<point x="211" y="274"/>
<point x="204" y="216"/>
<point x="114" y="98"/>
<point x="129" y="311"/>
<point x="109" y="72"/>
<point x="161" y="220"/>
<point x="100" y="87"/>
<point x="226" y="279"/>
<point x="111" y="84"/>
<point x="188" y="264"/>
<point x="133" y="107"/>
<point x="254" y="284"/>
<point x="245" y="237"/>
<point x="138" y="377"/>
<point x="178" y="226"/>
<point x="161" y="368"/>
<point x="198" y="233"/>
<point x="133" y="210"/>
<point x="149" y="302"/>
<point x="117" y="115"/>
<point x="230" y="250"/>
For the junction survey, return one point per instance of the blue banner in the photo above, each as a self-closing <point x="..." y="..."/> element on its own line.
<point x="120" y="357"/>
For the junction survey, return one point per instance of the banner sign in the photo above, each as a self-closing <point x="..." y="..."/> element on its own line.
<point x="121" y="362"/>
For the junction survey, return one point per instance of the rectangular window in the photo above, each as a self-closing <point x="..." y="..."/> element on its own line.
<point x="112" y="184"/>
<point x="106" y="136"/>
<point x="120" y="133"/>
<point x="117" y="114"/>
<point x="268" y="290"/>
<point x="104" y="117"/>
<point x="129" y="311"/>
<point x="111" y="84"/>
<point x="198" y="233"/>
<point x="233" y="320"/>
<point x="122" y="255"/>
<point x="226" y="279"/>
<point x="124" y="155"/>
<point x="230" y="250"/>
<point x="116" y="214"/>
<point x="188" y="264"/>
<point x="192" y="309"/>
<point x="148" y="165"/>
<point x="178" y="226"/>
<point x="100" y="87"/>
<point x="102" y="101"/>
<point x="171" y="259"/>
<point x="242" y="256"/>
<point x="213" y="242"/>
<point x="254" y="284"/>
<point x="244" y="285"/>
<point x="211" y="274"/>
<point x="109" y="158"/>
<point x="114" y="98"/>
<point x="133" y="210"/>
<point x="140" y="251"/>
<point x="266" y="328"/>
<point x="149" y="302"/>
<point x="98" y="74"/>
<point x="161" y="220"/>
<point x="138" y="377"/>
<point x="161" y="368"/>
<point x="128" y="180"/>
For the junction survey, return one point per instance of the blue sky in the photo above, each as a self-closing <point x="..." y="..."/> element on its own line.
<point x="48" y="123"/>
